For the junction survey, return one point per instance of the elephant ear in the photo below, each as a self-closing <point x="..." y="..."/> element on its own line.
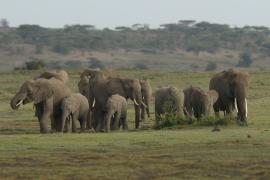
<point x="40" y="91"/>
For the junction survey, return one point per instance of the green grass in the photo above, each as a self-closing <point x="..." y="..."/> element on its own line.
<point x="190" y="151"/>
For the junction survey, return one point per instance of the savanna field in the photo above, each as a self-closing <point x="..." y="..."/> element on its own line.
<point x="189" y="151"/>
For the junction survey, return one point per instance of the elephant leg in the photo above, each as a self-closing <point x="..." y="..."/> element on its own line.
<point x="124" y="122"/>
<point x="142" y="113"/>
<point x="116" y="122"/>
<point x="99" y="120"/>
<point x="89" y="120"/>
<point x="74" y="128"/>
<point x="137" y="116"/>
<point x="148" y="111"/>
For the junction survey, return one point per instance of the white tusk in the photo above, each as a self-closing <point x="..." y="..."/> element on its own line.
<point x="19" y="103"/>
<point x="235" y="105"/>
<point x="246" y="107"/>
<point x="143" y="104"/>
<point x="134" y="100"/>
<point x="113" y="116"/>
<point x="94" y="102"/>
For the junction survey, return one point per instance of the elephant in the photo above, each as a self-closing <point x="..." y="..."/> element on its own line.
<point x="47" y="95"/>
<point x="102" y="88"/>
<point x="232" y="87"/>
<point x="169" y="100"/>
<point x="59" y="74"/>
<point x="83" y="84"/>
<point x="201" y="102"/>
<point x="146" y="96"/>
<point x="116" y="113"/>
<point x="75" y="107"/>
<point x="187" y="100"/>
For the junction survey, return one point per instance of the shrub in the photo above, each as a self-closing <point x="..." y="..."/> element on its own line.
<point x="141" y="66"/>
<point x="244" y="60"/>
<point x="58" y="48"/>
<point x="211" y="66"/>
<point x="34" y="65"/>
<point x="95" y="63"/>
<point x="73" y="64"/>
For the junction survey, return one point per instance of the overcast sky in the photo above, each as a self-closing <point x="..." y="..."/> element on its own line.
<point x="112" y="13"/>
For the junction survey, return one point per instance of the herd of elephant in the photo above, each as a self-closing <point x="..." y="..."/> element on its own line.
<point x="101" y="105"/>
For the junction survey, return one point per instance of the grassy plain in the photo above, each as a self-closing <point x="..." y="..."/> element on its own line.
<point x="187" y="152"/>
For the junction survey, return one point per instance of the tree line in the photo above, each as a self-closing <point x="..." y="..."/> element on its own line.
<point x="186" y="34"/>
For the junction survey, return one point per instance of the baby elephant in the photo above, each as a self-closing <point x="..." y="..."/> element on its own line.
<point x="116" y="113"/>
<point x="201" y="102"/>
<point x="169" y="100"/>
<point x="75" y="107"/>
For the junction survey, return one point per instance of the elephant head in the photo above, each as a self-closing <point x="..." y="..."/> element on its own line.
<point x="30" y="91"/>
<point x="84" y="86"/>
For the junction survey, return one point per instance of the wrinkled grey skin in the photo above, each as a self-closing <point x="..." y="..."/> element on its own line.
<point x="102" y="88"/>
<point x="75" y="107"/>
<point x="116" y="113"/>
<point x="201" y="102"/>
<point x="232" y="87"/>
<point x="47" y="95"/>
<point x="146" y="96"/>
<point x="169" y="100"/>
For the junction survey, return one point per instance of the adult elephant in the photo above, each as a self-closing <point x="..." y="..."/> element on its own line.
<point x="47" y="95"/>
<point x="102" y="88"/>
<point x="83" y="84"/>
<point x="146" y="96"/>
<point x="232" y="87"/>
<point x="169" y="100"/>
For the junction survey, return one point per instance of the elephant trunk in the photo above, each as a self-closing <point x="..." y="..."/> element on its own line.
<point x="17" y="100"/>
<point x="241" y="107"/>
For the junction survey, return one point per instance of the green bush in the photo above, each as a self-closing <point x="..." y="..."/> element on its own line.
<point x="34" y="65"/>
<point x="211" y="66"/>
<point x="245" y="60"/>
<point x="95" y="63"/>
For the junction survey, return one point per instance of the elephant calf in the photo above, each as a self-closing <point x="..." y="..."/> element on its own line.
<point x="75" y="107"/>
<point x="116" y="113"/>
<point x="169" y="100"/>
<point x="198" y="101"/>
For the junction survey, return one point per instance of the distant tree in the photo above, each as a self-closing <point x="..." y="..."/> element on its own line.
<point x="4" y="23"/>
<point x="245" y="60"/>
<point x="73" y="64"/>
<point x="34" y="64"/>
<point x="95" y="63"/>
<point x="141" y="66"/>
<point x="211" y="66"/>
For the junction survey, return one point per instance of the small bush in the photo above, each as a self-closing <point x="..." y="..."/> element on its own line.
<point x="61" y="49"/>
<point x="169" y="121"/>
<point x="244" y="60"/>
<point x="95" y="63"/>
<point x="211" y="66"/>
<point x="34" y="65"/>
<point x="141" y="66"/>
